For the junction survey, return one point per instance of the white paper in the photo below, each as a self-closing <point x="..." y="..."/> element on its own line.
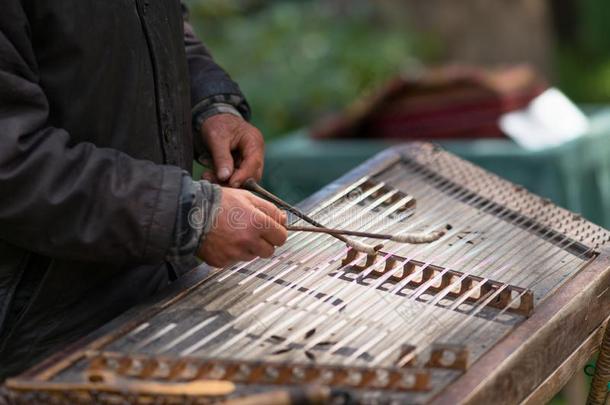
<point x="551" y="119"/>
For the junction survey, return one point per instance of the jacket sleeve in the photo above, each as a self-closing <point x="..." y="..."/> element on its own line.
<point x="72" y="200"/>
<point x="208" y="80"/>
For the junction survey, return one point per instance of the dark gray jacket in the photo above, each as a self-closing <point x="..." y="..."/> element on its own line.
<point x="95" y="130"/>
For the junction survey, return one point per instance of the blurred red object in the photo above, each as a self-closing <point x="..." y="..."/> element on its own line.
<point x="450" y="102"/>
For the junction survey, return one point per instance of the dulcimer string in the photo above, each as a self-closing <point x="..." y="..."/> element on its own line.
<point x="462" y="320"/>
<point x="421" y="289"/>
<point x="266" y="320"/>
<point x="439" y="295"/>
<point x="247" y="314"/>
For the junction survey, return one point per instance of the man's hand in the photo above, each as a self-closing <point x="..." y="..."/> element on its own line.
<point x="227" y="135"/>
<point x="246" y="227"/>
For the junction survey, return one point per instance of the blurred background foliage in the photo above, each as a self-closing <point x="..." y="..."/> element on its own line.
<point x="297" y="60"/>
<point x="583" y="49"/>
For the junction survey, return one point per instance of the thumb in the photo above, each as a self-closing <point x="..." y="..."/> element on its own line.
<point x="223" y="160"/>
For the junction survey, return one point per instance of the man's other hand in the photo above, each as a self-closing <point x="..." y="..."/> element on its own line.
<point x="245" y="227"/>
<point x="227" y="136"/>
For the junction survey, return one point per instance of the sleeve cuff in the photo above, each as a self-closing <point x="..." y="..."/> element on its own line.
<point x="198" y="206"/>
<point x="210" y="111"/>
<point x="232" y="100"/>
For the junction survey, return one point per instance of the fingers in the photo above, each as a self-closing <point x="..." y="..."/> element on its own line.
<point x="267" y="227"/>
<point x="265" y="249"/>
<point x="275" y="234"/>
<point x="272" y="229"/>
<point x="224" y="134"/>
<point x="268" y="209"/>
<point x="261" y="248"/>
<point x="252" y="150"/>
<point x="220" y="149"/>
